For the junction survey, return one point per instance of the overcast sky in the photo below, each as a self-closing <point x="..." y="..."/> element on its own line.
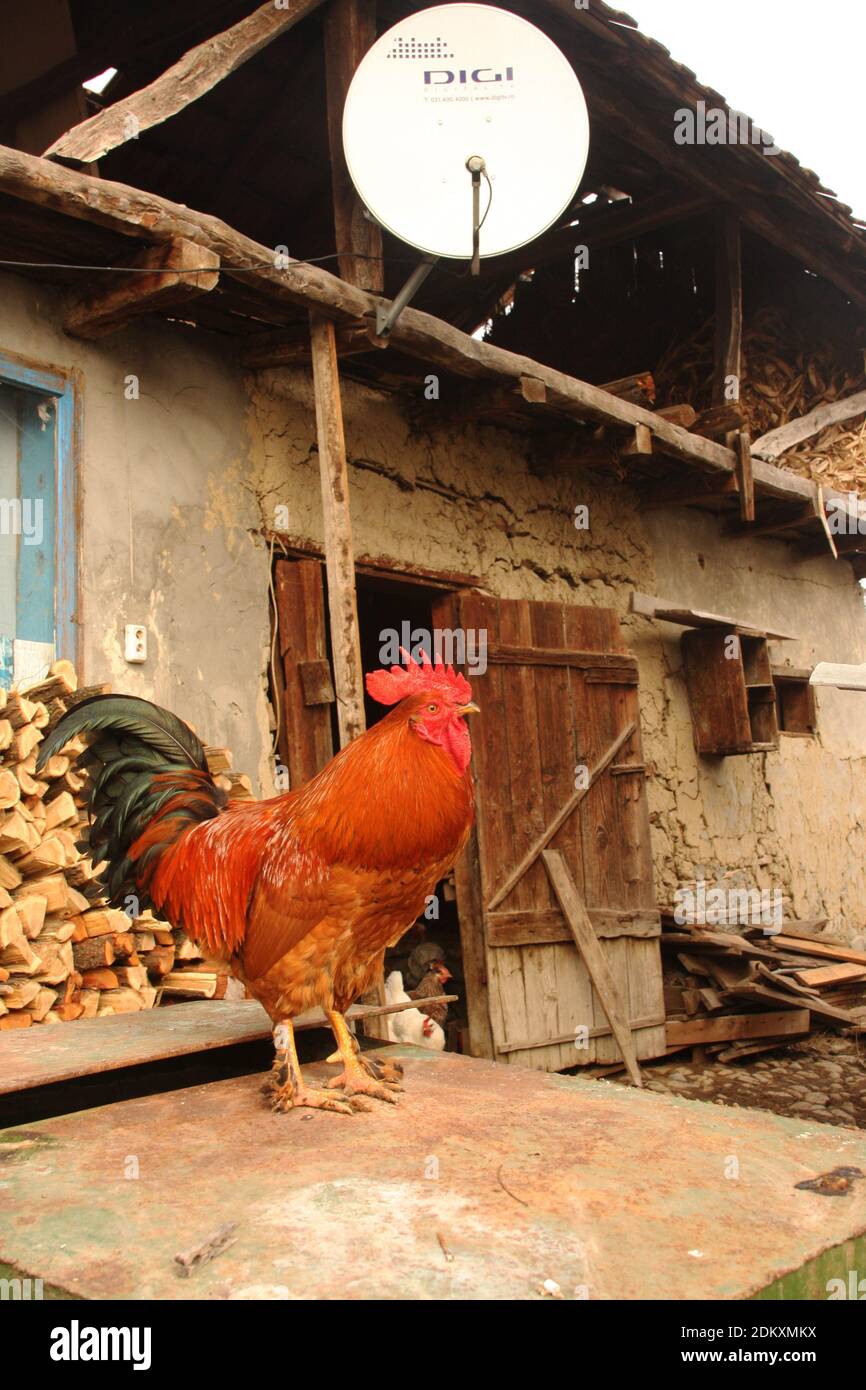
<point x="796" y="67"/>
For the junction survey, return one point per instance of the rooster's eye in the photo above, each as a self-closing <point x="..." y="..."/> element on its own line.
<point x="431" y="709"/>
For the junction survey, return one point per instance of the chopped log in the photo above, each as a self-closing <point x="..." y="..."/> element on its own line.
<point x="682" y="415"/>
<point x="31" y="912"/>
<point x="19" y="1019"/>
<point x="100" y="978"/>
<point x="197" y="72"/>
<point x="640" y="388"/>
<point x="94" y="953"/>
<point x="10" y="792"/>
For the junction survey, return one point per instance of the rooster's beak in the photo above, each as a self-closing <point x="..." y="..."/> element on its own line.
<point x="469" y="709"/>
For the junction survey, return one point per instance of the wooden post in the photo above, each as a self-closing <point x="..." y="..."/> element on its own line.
<point x="729" y="304"/>
<point x="340" y="565"/>
<point x="339" y="557"/>
<point x="350" y="29"/>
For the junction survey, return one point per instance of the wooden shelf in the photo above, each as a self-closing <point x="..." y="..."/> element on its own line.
<point x="731" y="692"/>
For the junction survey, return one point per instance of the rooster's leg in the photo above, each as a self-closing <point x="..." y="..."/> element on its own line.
<point x="288" y="1089"/>
<point x="362" y="1075"/>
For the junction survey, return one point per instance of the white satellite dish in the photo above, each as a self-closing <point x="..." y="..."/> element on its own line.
<point x="450" y="84"/>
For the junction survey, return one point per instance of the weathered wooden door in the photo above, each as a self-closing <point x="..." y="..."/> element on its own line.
<point x="559" y="689"/>
<point x="305" y="690"/>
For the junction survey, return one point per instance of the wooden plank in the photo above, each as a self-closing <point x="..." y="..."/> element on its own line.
<point x="197" y="72"/>
<point x="561" y="816"/>
<point x="570" y="1001"/>
<point x="339" y="557"/>
<point x="745" y="477"/>
<point x="668" y="611"/>
<point x="830" y="975"/>
<point x="596" y="962"/>
<point x="160" y="278"/>
<point x="727" y="352"/>
<point x="306" y="741"/>
<point x="726" y="1027"/>
<point x="350" y="29"/>
<point x="537" y="977"/>
<point x="750" y="989"/>
<point x="50" y="1055"/>
<point x="775" y="442"/>
<point x="522" y="928"/>
<point x="820" y="948"/>
<point x="512" y="654"/>
<point x="447" y="614"/>
<point x="637" y="1025"/>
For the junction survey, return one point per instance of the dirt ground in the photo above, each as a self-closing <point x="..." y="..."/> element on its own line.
<point x="821" y="1078"/>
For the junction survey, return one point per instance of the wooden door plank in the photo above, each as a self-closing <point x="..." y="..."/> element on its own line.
<point x="306" y="740"/>
<point x="560" y="818"/>
<point x="571" y="1002"/>
<point x="447" y="614"/>
<point x="605" y="985"/>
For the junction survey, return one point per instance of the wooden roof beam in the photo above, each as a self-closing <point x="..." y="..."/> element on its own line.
<point x="196" y="73"/>
<point x="160" y="278"/>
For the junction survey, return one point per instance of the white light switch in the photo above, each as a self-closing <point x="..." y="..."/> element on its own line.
<point x="135" y="642"/>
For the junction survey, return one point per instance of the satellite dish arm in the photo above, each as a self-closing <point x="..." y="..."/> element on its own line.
<point x="387" y="317"/>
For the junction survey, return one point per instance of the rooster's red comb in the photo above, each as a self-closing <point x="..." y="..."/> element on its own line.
<point x="390" y="686"/>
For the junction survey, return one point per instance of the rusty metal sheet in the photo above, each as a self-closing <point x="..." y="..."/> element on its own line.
<point x="521" y="1177"/>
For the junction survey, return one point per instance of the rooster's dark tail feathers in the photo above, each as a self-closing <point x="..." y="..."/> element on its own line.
<point x="145" y="765"/>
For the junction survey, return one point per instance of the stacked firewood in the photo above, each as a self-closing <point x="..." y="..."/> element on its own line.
<point x="787" y="372"/>
<point x="64" y="954"/>
<point x="732" y="991"/>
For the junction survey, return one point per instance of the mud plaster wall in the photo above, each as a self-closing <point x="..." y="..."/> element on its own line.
<point x="166" y="520"/>
<point x="174" y="485"/>
<point x="466" y="500"/>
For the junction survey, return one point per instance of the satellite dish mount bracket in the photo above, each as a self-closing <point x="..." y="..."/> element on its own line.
<point x="387" y="315"/>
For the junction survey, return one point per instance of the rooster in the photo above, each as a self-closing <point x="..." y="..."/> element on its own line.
<point x="301" y="893"/>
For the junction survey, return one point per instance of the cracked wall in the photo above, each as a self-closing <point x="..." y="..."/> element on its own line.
<point x="465" y="499"/>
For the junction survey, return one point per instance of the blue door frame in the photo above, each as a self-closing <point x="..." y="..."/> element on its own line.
<point x="62" y="389"/>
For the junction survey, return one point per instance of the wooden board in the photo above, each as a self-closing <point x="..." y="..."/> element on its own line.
<point x="42" y="1056"/>
<point x="726" y="1028"/>
<point x="305" y="742"/>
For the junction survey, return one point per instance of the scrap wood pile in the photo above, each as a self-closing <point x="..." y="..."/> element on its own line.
<point x="737" y="991"/>
<point x="786" y="373"/>
<point x="64" y="954"/>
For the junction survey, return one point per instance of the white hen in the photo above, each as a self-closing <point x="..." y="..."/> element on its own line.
<point x="410" y="1025"/>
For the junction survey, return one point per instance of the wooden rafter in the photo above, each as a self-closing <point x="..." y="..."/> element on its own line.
<point x="160" y="278"/>
<point x="196" y="73"/>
